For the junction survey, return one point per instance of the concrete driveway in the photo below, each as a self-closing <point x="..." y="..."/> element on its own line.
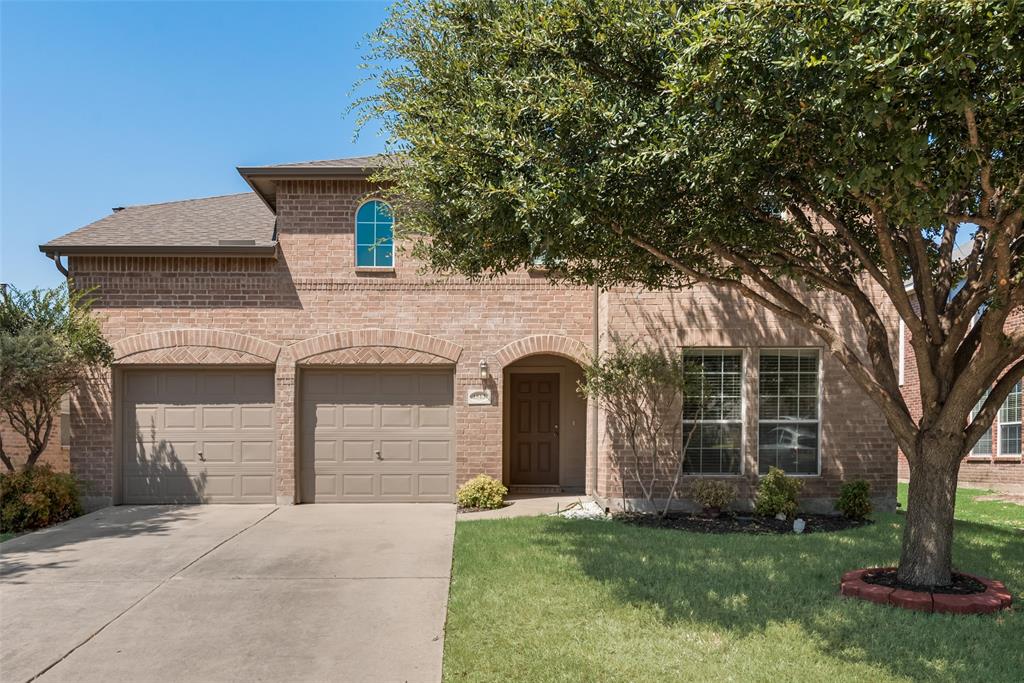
<point x="229" y="593"/>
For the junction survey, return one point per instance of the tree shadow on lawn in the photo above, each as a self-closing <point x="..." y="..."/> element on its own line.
<point x="745" y="583"/>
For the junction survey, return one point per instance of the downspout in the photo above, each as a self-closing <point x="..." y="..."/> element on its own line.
<point x="594" y="341"/>
<point x="56" y="261"/>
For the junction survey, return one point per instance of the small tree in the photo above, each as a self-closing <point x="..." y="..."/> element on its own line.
<point x="645" y="394"/>
<point x="49" y="341"/>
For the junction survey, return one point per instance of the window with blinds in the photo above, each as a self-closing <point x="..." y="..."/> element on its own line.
<point x="982" y="449"/>
<point x="713" y="421"/>
<point x="1003" y="439"/>
<point x="788" y="420"/>
<point x="1009" y="424"/>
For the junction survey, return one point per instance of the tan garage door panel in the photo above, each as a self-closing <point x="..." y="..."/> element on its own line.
<point x="382" y="435"/>
<point x="198" y="436"/>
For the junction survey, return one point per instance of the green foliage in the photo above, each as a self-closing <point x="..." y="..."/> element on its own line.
<point x="36" y="498"/>
<point x="644" y="392"/>
<point x="855" y="499"/>
<point x="634" y="375"/>
<point x="711" y="493"/>
<point x="777" y="493"/>
<point x="482" y="492"/>
<point x="566" y="127"/>
<point x="49" y="341"/>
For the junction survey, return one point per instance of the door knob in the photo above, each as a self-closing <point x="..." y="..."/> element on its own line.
<point x="377" y="453"/>
<point x="201" y="458"/>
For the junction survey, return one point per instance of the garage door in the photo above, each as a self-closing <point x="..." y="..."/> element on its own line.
<point x="198" y="436"/>
<point x="378" y="435"/>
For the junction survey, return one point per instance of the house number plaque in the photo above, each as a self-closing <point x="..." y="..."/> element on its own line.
<point x="478" y="397"/>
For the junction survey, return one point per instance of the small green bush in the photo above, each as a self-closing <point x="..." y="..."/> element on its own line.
<point x="855" y="499"/>
<point x="777" y="493"/>
<point x="37" y="497"/>
<point x="714" y="494"/>
<point x="482" y="492"/>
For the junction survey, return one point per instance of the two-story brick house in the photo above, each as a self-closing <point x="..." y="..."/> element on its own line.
<point x="280" y="345"/>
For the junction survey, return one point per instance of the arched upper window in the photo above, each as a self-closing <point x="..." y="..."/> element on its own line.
<point x="374" y="237"/>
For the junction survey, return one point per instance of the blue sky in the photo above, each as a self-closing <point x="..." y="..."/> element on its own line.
<point x="117" y="103"/>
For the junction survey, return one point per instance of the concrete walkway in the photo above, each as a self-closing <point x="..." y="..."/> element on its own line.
<point x="229" y="593"/>
<point x="527" y="506"/>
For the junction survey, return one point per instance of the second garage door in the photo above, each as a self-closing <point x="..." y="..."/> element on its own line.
<point x="378" y="435"/>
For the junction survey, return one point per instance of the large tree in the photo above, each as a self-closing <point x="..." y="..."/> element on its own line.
<point x="770" y="148"/>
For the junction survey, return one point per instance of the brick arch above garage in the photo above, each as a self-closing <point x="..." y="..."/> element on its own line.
<point x="375" y="346"/>
<point x="553" y="344"/>
<point x="194" y="347"/>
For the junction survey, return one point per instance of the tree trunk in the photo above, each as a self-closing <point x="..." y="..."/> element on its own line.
<point x="927" y="555"/>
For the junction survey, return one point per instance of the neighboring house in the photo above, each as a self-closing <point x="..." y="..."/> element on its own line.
<point x="995" y="461"/>
<point x="279" y="346"/>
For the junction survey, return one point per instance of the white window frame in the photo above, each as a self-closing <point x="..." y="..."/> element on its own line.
<point x="993" y="435"/>
<point x="821" y="394"/>
<point x="743" y="411"/>
<point x="355" y="239"/>
<point x="903" y="353"/>
<point x="997" y="439"/>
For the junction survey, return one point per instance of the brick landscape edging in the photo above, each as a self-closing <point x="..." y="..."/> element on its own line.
<point x="995" y="597"/>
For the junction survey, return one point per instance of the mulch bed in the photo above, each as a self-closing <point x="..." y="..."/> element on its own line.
<point x="962" y="584"/>
<point x="461" y="510"/>
<point x="879" y="585"/>
<point x="732" y="523"/>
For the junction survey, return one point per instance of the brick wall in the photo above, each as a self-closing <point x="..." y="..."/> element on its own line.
<point x="855" y="441"/>
<point x="995" y="472"/>
<point x="313" y="289"/>
<point x="15" y="447"/>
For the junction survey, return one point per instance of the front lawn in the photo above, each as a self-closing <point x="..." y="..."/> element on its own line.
<point x="969" y="509"/>
<point x="548" y="599"/>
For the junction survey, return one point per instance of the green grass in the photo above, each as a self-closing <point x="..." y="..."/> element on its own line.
<point x="969" y="509"/>
<point x="6" y="534"/>
<point x="548" y="599"/>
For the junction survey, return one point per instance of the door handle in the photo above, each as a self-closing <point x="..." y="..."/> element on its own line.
<point x="201" y="458"/>
<point x="377" y="453"/>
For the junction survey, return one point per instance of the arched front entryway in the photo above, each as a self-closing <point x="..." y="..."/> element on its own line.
<point x="545" y="425"/>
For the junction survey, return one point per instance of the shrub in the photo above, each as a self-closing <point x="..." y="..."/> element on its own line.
<point x="714" y="494"/>
<point x="777" y="493"/>
<point x="855" y="499"/>
<point x="482" y="492"/>
<point x="37" y="497"/>
<point x="643" y="391"/>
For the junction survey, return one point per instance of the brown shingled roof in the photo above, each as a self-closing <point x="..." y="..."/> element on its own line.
<point x="237" y="223"/>
<point x="264" y="179"/>
<point x="367" y="162"/>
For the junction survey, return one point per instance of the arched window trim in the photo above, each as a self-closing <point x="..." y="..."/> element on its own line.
<point x="356" y="243"/>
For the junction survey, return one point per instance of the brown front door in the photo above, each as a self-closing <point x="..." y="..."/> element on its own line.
<point x="534" y="432"/>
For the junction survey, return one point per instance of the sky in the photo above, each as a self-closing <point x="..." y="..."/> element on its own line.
<point x="106" y="104"/>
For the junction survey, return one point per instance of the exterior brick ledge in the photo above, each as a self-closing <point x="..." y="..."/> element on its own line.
<point x="218" y="339"/>
<point x="336" y="341"/>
